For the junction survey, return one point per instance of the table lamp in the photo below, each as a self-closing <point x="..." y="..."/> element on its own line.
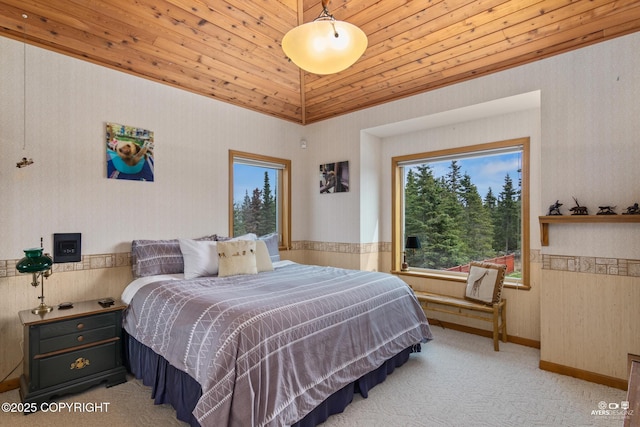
<point x="40" y="266"/>
<point x="412" y="243"/>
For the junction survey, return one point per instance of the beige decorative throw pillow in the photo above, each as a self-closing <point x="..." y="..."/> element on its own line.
<point x="237" y="257"/>
<point x="263" y="259"/>
<point x="485" y="282"/>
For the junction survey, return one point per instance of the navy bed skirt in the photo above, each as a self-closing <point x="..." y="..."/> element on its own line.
<point x="170" y="385"/>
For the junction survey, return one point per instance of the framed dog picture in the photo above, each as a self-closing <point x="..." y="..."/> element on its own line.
<point x="485" y="281"/>
<point x="334" y="177"/>
<point x="129" y="153"/>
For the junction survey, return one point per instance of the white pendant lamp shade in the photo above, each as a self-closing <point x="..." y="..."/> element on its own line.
<point x="324" y="46"/>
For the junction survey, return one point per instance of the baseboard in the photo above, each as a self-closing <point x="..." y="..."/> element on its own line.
<point x="523" y="341"/>
<point x="484" y="333"/>
<point x="11" y="384"/>
<point x="583" y="375"/>
<point x="544" y="365"/>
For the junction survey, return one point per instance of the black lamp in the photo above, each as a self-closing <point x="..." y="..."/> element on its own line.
<point x="412" y="243"/>
<point x="39" y="265"/>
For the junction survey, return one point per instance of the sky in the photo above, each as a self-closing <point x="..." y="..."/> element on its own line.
<point x="247" y="178"/>
<point x="485" y="172"/>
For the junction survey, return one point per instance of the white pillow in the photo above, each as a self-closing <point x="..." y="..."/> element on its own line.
<point x="237" y="257"/>
<point x="200" y="257"/>
<point x="248" y="236"/>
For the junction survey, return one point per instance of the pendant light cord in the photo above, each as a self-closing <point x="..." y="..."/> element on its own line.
<point x="24" y="83"/>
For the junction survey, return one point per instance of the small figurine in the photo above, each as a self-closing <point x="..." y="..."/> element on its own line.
<point x="606" y="210"/>
<point x="24" y="162"/>
<point x="632" y="210"/>
<point x="579" y="210"/>
<point x="554" y="209"/>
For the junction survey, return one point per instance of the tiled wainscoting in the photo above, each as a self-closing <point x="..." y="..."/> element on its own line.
<point x="89" y="262"/>
<point x="593" y="265"/>
<point x="579" y="264"/>
<point x="348" y="248"/>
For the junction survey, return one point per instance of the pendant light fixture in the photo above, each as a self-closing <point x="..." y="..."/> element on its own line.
<point x="324" y="46"/>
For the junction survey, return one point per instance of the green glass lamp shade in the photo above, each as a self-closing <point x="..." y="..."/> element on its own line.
<point x="34" y="261"/>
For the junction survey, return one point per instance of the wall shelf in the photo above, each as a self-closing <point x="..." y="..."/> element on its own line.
<point x="576" y="219"/>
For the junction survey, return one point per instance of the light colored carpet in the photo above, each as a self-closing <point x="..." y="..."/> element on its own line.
<point x="457" y="380"/>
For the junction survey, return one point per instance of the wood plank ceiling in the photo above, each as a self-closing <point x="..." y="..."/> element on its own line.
<point x="230" y="49"/>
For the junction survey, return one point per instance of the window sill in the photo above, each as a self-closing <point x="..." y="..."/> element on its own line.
<point x="452" y="278"/>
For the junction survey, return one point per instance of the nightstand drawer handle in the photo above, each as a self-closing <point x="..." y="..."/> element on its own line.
<point x="80" y="325"/>
<point x="80" y="363"/>
<point x="80" y="338"/>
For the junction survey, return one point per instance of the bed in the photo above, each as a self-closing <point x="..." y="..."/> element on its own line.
<point x="286" y="344"/>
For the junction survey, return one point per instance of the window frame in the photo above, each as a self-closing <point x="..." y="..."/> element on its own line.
<point x="397" y="210"/>
<point x="283" y="189"/>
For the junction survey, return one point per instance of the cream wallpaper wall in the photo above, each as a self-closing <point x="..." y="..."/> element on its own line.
<point x="584" y="135"/>
<point x="66" y="190"/>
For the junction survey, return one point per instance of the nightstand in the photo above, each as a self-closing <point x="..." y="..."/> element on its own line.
<point x="67" y="351"/>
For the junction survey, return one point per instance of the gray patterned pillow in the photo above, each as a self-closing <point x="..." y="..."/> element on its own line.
<point x="151" y="257"/>
<point x="211" y="238"/>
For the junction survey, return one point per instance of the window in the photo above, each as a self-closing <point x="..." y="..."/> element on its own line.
<point x="259" y="195"/>
<point x="464" y="204"/>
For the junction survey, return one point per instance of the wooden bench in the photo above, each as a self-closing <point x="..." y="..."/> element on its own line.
<point x="497" y="313"/>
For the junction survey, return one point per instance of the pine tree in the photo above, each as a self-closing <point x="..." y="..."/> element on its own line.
<point x="445" y="247"/>
<point x="254" y="216"/>
<point x="430" y="214"/>
<point x="258" y="213"/>
<point x="268" y="208"/>
<point x="454" y="224"/>
<point x="453" y="178"/>
<point x="417" y="207"/>
<point x="238" y="220"/>
<point x="477" y="224"/>
<point x="507" y="219"/>
<point x="490" y="201"/>
<point x="413" y="212"/>
<point x="239" y="215"/>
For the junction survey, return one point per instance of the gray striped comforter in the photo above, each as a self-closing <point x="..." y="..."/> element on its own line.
<point x="270" y="347"/>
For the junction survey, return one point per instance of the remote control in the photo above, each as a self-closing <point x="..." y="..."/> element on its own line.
<point x="106" y="302"/>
